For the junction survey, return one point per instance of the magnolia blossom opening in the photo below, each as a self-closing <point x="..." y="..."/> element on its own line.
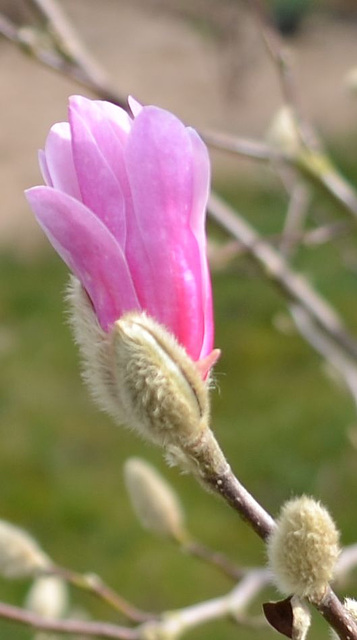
<point x="124" y="206"/>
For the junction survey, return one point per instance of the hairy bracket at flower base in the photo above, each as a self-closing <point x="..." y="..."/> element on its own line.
<point x="124" y="205"/>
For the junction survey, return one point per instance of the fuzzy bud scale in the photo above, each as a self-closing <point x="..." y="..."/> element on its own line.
<point x="303" y="548"/>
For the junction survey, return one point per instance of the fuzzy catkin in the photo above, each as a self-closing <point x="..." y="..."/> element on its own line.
<point x="303" y="548"/>
<point x="20" y="554"/>
<point x="155" y="504"/>
<point x="48" y="597"/>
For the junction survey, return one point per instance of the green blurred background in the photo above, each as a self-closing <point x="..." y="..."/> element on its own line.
<point x="285" y="423"/>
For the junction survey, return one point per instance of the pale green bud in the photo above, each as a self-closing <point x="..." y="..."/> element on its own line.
<point x="303" y="548"/>
<point x="283" y="134"/>
<point x="20" y="555"/>
<point x="155" y="503"/>
<point x="48" y="597"/>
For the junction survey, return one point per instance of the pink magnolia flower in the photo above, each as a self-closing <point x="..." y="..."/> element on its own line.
<point x="124" y="207"/>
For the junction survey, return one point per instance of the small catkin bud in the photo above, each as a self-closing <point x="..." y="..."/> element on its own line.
<point x="156" y="505"/>
<point x="20" y="555"/>
<point x="283" y="133"/>
<point x="303" y="548"/>
<point x="48" y="597"/>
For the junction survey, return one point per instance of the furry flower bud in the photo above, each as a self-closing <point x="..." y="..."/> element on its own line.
<point x="303" y="548"/>
<point x="141" y="376"/>
<point x="20" y="555"/>
<point x="155" y="503"/>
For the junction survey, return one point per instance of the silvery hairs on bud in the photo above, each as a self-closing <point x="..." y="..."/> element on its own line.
<point x="144" y="379"/>
<point x="20" y="554"/>
<point x="303" y="548"/>
<point x="155" y="503"/>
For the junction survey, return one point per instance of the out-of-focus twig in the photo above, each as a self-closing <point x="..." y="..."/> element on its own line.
<point x="281" y="59"/>
<point x="177" y="622"/>
<point x="293" y="285"/>
<point x="214" y="558"/>
<point x="246" y="147"/>
<point x="74" y="627"/>
<point x="94" y="584"/>
<point x="295" y="217"/>
<point x="327" y="348"/>
<point x="54" y="58"/>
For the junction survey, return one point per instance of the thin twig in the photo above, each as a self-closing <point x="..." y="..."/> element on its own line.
<point x="254" y="149"/>
<point x="27" y="40"/>
<point x="327" y="348"/>
<point x="175" y="623"/>
<point x="94" y="584"/>
<point x="69" y="44"/>
<point x="295" y="218"/>
<point x="281" y="60"/>
<point x="214" y="558"/>
<point x="76" y="627"/>
<point x="293" y="285"/>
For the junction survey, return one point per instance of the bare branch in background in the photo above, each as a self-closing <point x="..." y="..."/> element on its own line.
<point x="274" y="267"/>
<point x="75" y="627"/>
<point x="345" y="366"/>
<point x="295" y="218"/>
<point x="94" y="585"/>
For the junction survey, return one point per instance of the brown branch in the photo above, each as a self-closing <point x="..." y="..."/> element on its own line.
<point x="336" y="615"/>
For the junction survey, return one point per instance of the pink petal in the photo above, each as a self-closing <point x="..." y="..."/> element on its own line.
<point x="44" y="168"/>
<point x="205" y="364"/>
<point x="163" y="253"/>
<point x="201" y="185"/>
<point x="135" y="106"/>
<point x="59" y="160"/>
<point x="90" y="251"/>
<point x="98" y="156"/>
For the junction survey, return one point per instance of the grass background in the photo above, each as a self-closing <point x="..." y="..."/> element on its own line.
<point x="282" y="421"/>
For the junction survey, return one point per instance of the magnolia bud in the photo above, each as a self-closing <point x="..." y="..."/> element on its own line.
<point x="303" y="548"/>
<point x="48" y="597"/>
<point x="20" y="555"/>
<point x="142" y="377"/>
<point x="155" y="503"/>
